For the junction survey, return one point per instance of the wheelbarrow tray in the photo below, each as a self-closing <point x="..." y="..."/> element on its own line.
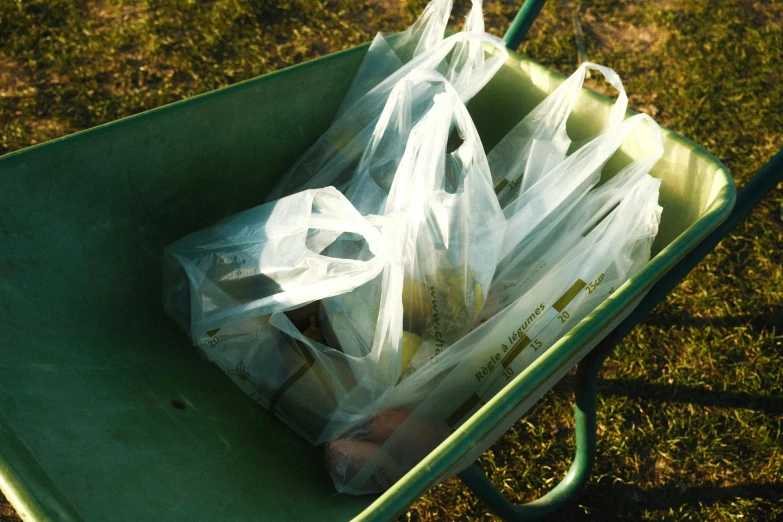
<point x="107" y="412"/>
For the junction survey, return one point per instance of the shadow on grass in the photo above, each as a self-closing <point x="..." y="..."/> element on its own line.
<point x="679" y="393"/>
<point x="631" y="502"/>
<point x="773" y="317"/>
<point x="625" y="501"/>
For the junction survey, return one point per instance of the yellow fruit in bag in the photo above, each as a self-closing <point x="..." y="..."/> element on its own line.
<point x="416" y="307"/>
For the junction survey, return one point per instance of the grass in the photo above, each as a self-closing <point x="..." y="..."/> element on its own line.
<point x="691" y="403"/>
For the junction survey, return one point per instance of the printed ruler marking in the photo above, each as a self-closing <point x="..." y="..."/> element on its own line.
<point x="567" y="297"/>
<point x="474" y="400"/>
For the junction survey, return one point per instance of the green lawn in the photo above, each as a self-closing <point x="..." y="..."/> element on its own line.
<point x="691" y="403"/>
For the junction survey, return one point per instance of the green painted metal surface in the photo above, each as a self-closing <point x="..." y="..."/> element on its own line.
<point x="521" y="24"/>
<point x="90" y="365"/>
<point x="569" y="488"/>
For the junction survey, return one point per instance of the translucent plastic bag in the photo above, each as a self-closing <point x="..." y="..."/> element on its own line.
<point x="553" y="214"/>
<point x="540" y="142"/>
<point x="450" y="385"/>
<point x="228" y="285"/>
<point x="411" y="99"/>
<point x="452" y="229"/>
<point x="387" y="54"/>
<point x="467" y="59"/>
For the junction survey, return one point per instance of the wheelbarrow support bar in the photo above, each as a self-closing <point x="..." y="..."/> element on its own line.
<point x="522" y="22"/>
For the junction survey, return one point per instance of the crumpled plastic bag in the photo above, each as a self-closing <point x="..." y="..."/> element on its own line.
<point x="540" y="141"/>
<point x="246" y="291"/>
<point x="468" y="60"/>
<point x="536" y="218"/>
<point x="447" y="261"/>
<point x="450" y="385"/>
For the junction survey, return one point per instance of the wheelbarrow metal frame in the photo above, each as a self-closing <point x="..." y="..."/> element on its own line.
<point x="441" y="463"/>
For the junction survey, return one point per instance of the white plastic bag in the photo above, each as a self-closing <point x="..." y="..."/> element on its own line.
<point x="560" y="239"/>
<point x="538" y="211"/>
<point x="452" y="229"/>
<point x="268" y="259"/>
<point x="540" y="142"/>
<point x="553" y="214"/>
<point x="592" y="270"/>
<point x="409" y="101"/>
<point x="448" y="386"/>
<point x="468" y="59"/>
<point x="228" y="285"/>
<point x="387" y="54"/>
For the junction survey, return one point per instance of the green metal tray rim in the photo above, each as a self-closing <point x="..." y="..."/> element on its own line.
<point x="30" y="491"/>
<point x="26" y="485"/>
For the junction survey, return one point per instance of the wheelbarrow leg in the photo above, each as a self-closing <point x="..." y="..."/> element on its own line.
<point x="579" y="473"/>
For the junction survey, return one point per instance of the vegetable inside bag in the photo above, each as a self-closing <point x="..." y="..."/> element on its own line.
<point x="447" y="387"/>
<point x="468" y="60"/>
<point x="246" y="291"/>
<point x="452" y="230"/>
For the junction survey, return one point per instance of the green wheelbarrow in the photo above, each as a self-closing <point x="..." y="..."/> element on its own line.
<point x="106" y="413"/>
